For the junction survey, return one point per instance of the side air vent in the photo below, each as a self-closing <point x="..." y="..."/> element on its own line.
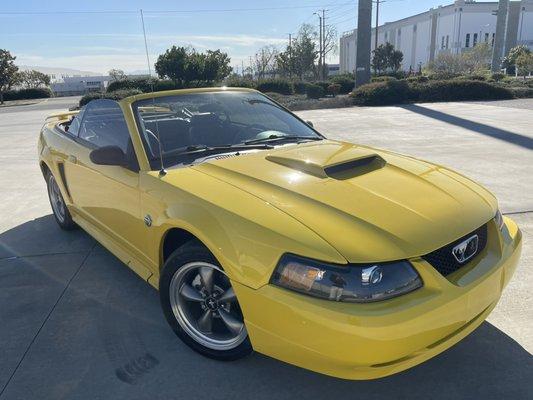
<point x="61" y="168"/>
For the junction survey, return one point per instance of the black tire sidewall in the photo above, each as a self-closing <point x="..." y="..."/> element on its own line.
<point x="191" y="252"/>
<point x="68" y="224"/>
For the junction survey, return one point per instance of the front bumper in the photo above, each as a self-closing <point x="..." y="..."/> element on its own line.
<point x="367" y="341"/>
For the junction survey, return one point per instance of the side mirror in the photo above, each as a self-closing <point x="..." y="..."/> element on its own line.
<point x="310" y="124"/>
<point x="108" y="155"/>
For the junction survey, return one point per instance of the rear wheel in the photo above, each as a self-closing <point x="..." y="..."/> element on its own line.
<point x="59" y="207"/>
<point x="200" y="305"/>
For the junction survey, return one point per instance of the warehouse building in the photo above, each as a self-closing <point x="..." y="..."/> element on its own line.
<point x="454" y="28"/>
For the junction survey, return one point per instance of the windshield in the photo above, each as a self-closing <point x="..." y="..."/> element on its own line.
<point x="186" y="126"/>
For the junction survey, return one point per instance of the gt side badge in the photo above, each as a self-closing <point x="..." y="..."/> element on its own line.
<point x="148" y="220"/>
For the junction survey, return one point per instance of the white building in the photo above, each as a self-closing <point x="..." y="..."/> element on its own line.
<point x="453" y="28"/>
<point x="78" y="85"/>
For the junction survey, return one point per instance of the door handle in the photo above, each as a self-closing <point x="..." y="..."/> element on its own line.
<point x="72" y="159"/>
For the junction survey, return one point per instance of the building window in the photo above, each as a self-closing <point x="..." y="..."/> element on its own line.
<point x="399" y="39"/>
<point x="475" y="39"/>
<point x="447" y="41"/>
<point x="486" y="37"/>
<point x="467" y="44"/>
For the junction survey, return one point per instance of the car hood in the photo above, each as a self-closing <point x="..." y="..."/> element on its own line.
<point x="371" y="205"/>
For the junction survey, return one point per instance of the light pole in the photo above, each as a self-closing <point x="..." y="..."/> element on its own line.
<point x="319" y="45"/>
<point x="499" y="40"/>
<point x="364" y="45"/>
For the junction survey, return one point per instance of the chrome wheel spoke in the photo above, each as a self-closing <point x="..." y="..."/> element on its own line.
<point x="205" y="322"/>
<point x="190" y="293"/>
<point x="228" y="296"/>
<point x="233" y="324"/>
<point x="201" y="304"/>
<point x="207" y="275"/>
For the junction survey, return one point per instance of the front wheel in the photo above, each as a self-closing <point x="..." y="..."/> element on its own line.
<point x="59" y="207"/>
<point x="200" y="305"/>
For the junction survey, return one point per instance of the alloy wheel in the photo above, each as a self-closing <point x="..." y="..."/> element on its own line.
<point x="205" y="306"/>
<point x="56" y="200"/>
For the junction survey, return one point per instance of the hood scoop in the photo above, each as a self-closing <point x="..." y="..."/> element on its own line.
<point x="342" y="170"/>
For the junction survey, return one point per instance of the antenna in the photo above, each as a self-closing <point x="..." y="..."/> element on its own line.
<point x="162" y="171"/>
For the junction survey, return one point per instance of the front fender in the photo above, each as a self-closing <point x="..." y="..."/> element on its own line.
<point x="246" y="234"/>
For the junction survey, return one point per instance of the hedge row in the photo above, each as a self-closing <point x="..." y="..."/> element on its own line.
<point x="24" y="94"/>
<point x="401" y="91"/>
<point x="116" y="95"/>
<point x="340" y="84"/>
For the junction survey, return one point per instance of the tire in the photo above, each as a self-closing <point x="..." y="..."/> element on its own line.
<point x="188" y="295"/>
<point x="59" y="207"/>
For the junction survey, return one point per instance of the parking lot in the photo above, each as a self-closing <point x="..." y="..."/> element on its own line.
<point x="77" y="324"/>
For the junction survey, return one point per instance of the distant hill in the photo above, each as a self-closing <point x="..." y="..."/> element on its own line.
<point x="59" y="72"/>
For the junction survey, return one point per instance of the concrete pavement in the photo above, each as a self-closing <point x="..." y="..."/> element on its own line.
<point x="77" y="324"/>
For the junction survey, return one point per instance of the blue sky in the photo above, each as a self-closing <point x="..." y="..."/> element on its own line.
<point x="100" y="41"/>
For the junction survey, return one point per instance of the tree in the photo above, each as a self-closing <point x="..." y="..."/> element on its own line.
<point x="473" y="61"/>
<point x="299" y="59"/>
<point x="8" y="72"/>
<point x="172" y="64"/>
<point x="477" y="59"/>
<point x="33" y="79"/>
<point x="509" y="62"/>
<point x="216" y="66"/>
<point x="117" y="74"/>
<point x="330" y="44"/>
<point x="265" y="61"/>
<point x="524" y="64"/>
<point x="447" y="63"/>
<point x="385" y="58"/>
<point x="185" y="65"/>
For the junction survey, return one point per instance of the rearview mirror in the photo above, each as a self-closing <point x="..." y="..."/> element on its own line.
<point x="108" y="155"/>
<point x="310" y="124"/>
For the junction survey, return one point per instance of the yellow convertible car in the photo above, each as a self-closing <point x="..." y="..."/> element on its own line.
<point x="261" y="234"/>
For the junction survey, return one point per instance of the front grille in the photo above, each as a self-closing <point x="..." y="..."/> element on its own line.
<point x="444" y="261"/>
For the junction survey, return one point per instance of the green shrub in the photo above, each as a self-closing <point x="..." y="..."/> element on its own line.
<point x="387" y="92"/>
<point x="417" y="79"/>
<point x="115" y="95"/>
<point x="347" y="82"/>
<point x="334" y="89"/>
<point x="238" y="81"/>
<point x="281" y="86"/>
<point x="161" y="85"/>
<point x="323" y="84"/>
<point x="25" y="94"/>
<point x="497" y="77"/>
<point x="383" y="78"/>
<point x="474" y="77"/>
<point x="457" y="90"/>
<point x="143" y="84"/>
<point x="300" y="87"/>
<point x="443" y="76"/>
<point x="315" y="91"/>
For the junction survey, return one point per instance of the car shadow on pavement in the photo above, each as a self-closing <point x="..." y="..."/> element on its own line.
<point x="78" y="324"/>
<point x="487" y="130"/>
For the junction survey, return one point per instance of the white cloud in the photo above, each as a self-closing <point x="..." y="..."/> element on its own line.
<point x="126" y="51"/>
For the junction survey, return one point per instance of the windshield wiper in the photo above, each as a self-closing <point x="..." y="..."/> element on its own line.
<point x="281" y="138"/>
<point x="201" y="148"/>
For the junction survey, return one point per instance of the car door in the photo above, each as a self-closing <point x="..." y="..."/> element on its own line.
<point x="107" y="196"/>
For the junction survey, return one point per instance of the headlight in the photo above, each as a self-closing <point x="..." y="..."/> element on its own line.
<point x="351" y="283"/>
<point x="499" y="220"/>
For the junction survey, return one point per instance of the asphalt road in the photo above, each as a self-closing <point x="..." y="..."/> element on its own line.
<point x="77" y="324"/>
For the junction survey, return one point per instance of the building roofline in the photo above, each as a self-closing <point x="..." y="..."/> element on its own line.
<point x="428" y="12"/>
